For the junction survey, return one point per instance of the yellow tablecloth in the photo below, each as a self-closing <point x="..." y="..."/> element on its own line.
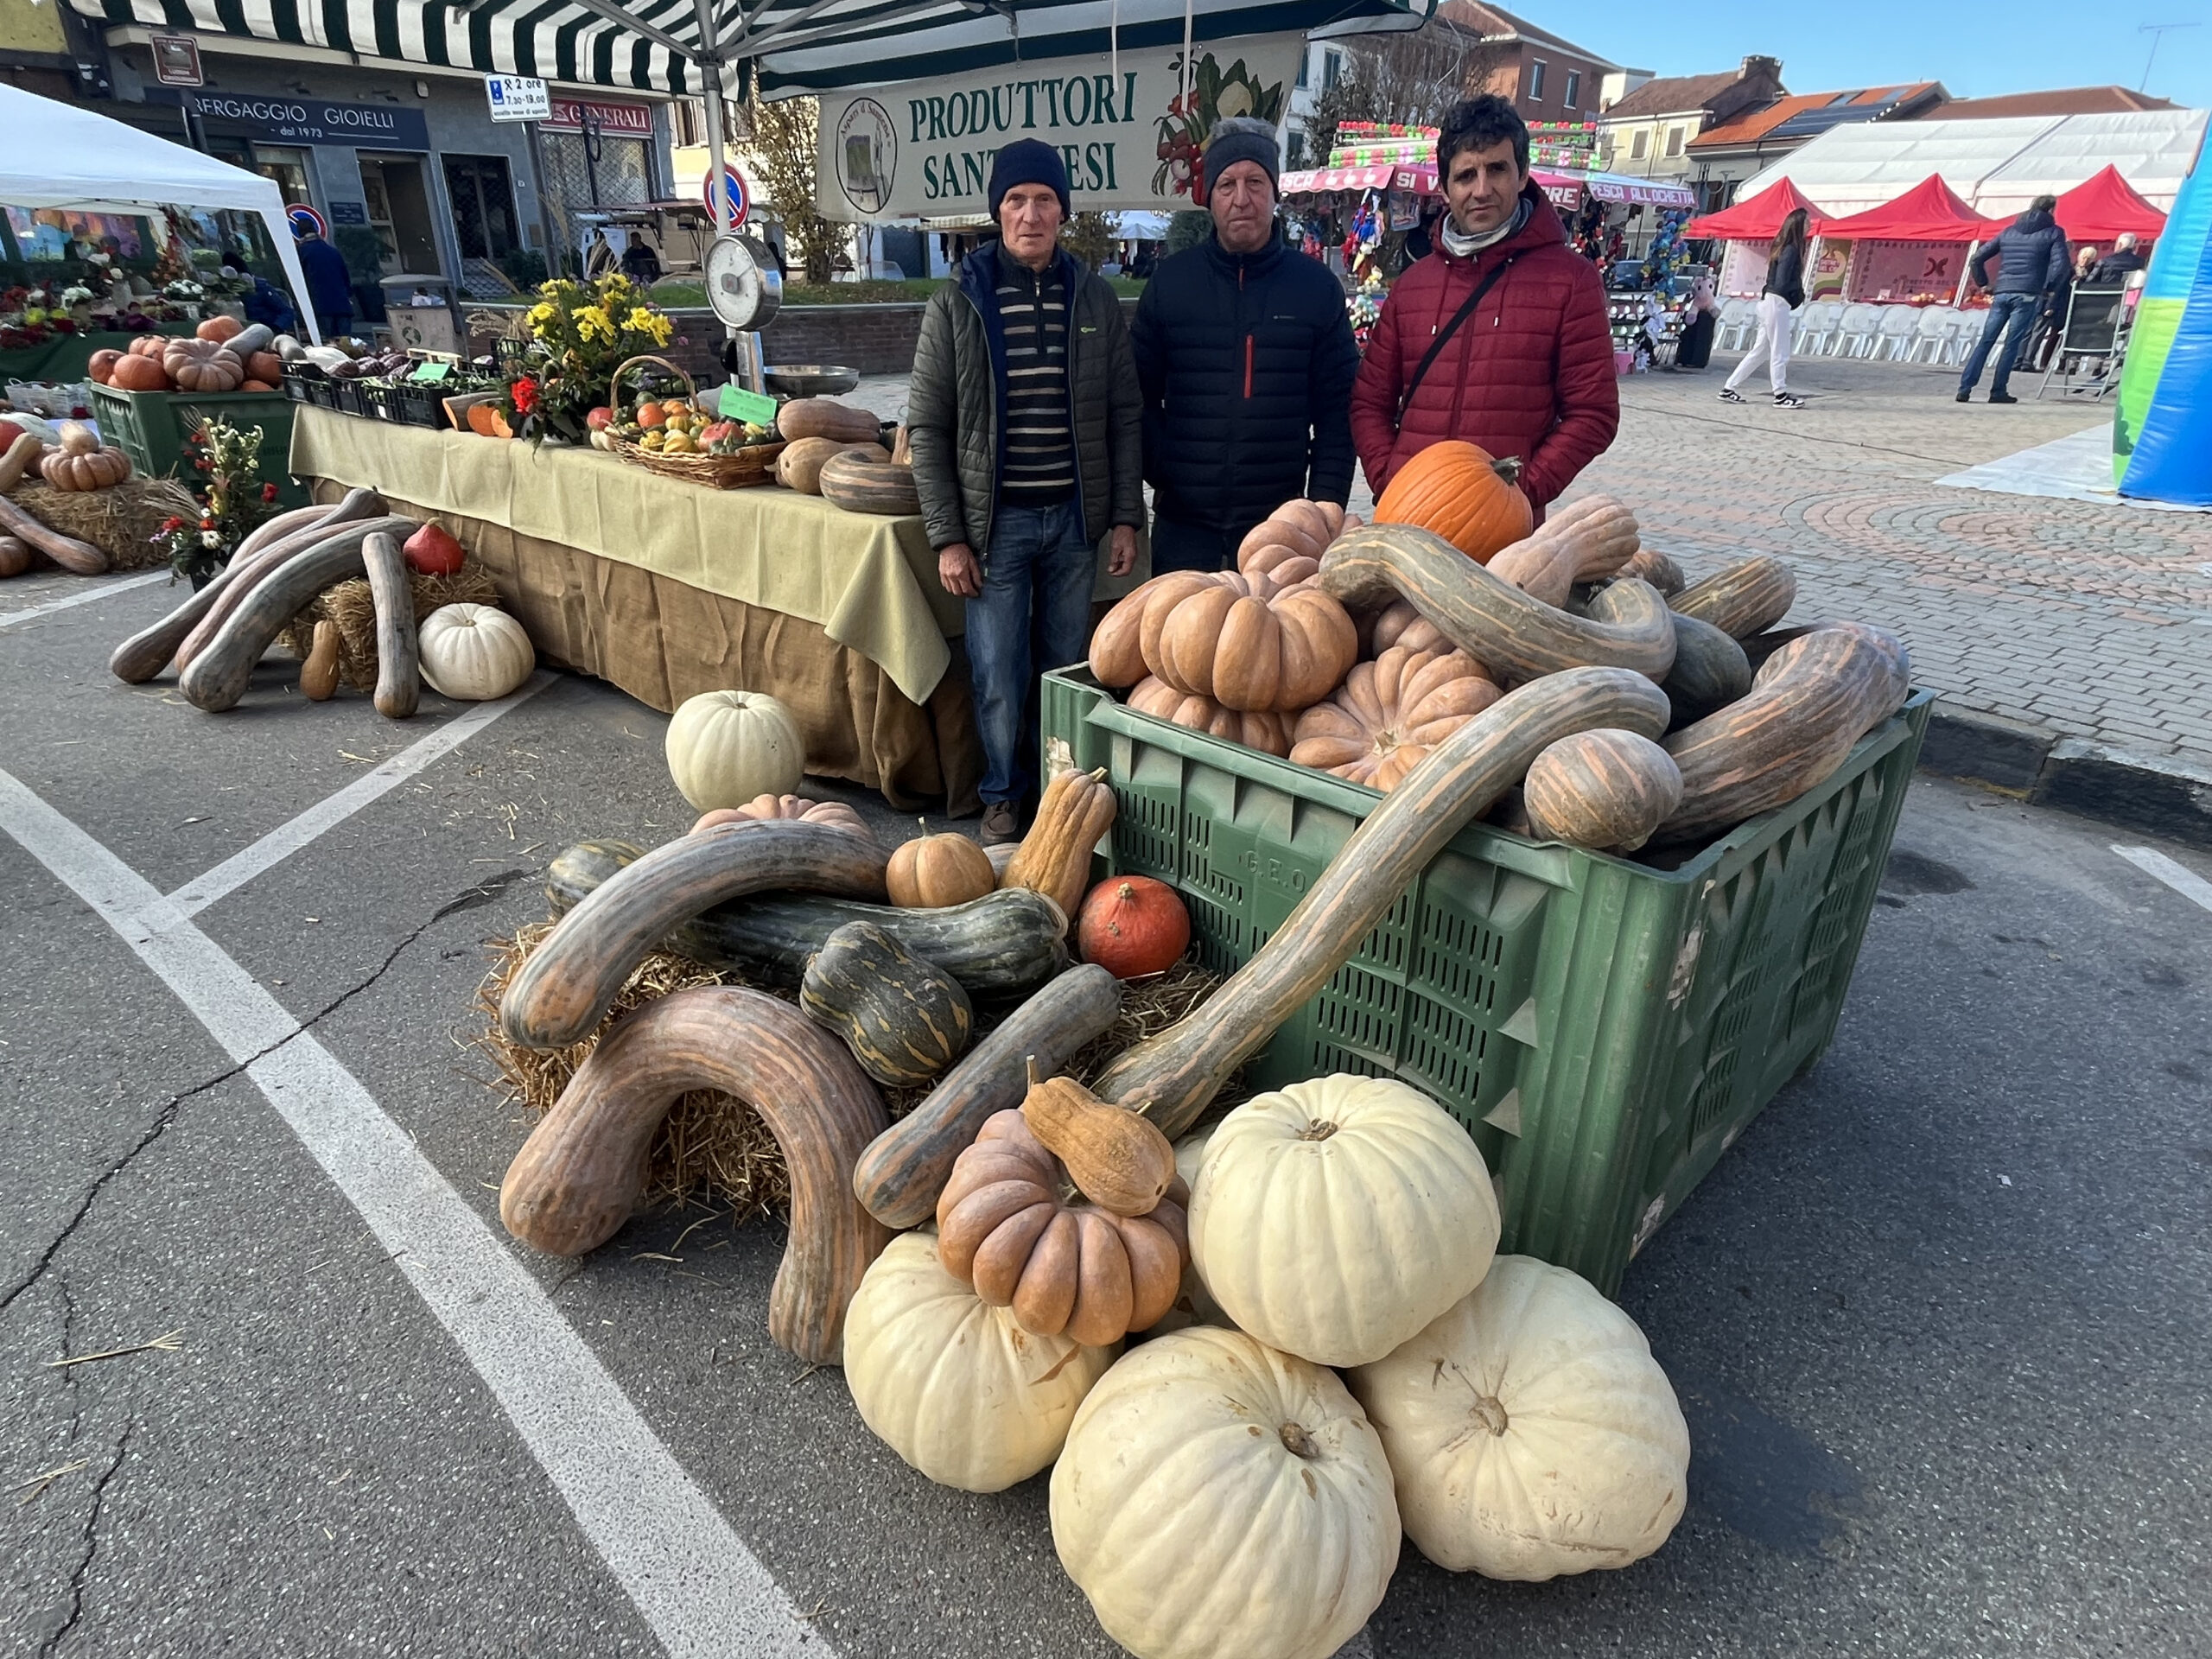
<point x="869" y="582"/>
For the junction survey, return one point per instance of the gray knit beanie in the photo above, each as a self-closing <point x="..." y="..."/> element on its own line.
<point x="1242" y="139"/>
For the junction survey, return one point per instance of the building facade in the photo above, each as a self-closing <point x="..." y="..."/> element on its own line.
<point x="1723" y="156"/>
<point x="1647" y="132"/>
<point x="1546" y="77"/>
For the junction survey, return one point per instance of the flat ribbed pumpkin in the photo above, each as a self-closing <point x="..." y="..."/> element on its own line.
<point x="1270" y="734"/>
<point x="1246" y="641"/>
<point x="1390" y="713"/>
<point x="1470" y="499"/>
<point x="1289" y="543"/>
<point x="1606" y="789"/>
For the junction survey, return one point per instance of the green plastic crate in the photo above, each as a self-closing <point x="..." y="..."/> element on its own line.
<point x="153" y="427"/>
<point x="1604" y="1030"/>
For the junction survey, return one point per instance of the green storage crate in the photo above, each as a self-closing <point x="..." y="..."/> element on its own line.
<point x="153" y="427"/>
<point x="1603" y="1029"/>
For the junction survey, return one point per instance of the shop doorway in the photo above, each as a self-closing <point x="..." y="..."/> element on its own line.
<point x="483" y="205"/>
<point x="399" y="212"/>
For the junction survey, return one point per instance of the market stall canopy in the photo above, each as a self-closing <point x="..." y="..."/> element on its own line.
<point x="1929" y="212"/>
<point x="1997" y="166"/>
<point x="2106" y="207"/>
<point x="1758" y="218"/>
<point x="802" y="46"/>
<point x="71" y="158"/>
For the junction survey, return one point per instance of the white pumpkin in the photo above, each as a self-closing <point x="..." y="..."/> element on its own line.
<point x="1193" y="1304"/>
<point x="953" y="1384"/>
<point x="1219" y="1500"/>
<point x="725" y="747"/>
<point x="1335" y="1218"/>
<point x="1531" y="1432"/>
<point x="474" y="652"/>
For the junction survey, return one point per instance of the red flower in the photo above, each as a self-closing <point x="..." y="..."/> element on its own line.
<point x="525" y="393"/>
<point x="269" y="493"/>
<point x="171" y="524"/>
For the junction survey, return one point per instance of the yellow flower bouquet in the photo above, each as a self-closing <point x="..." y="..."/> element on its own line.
<point x="578" y="333"/>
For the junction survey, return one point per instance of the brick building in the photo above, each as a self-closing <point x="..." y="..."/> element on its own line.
<point x="1548" y="77"/>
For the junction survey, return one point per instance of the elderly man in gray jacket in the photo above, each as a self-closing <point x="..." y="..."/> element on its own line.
<point x="1026" y="426"/>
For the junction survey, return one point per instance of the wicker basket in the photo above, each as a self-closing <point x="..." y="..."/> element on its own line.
<point x="754" y="464"/>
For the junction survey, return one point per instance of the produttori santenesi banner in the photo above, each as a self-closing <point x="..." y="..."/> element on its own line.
<point x="1130" y="136"/>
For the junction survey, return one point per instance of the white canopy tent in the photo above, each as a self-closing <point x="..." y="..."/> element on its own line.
<point x="71" y="158"/>
<point x="1999" y="166"/>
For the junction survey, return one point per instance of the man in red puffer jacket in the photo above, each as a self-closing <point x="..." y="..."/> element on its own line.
<point x="1528" y="371"/>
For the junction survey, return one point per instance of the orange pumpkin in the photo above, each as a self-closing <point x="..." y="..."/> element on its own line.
<point x="219" y="328"/>
<point x="1459" y="492"/>
<point x="202" y="365"/>
<point x="149" y="345"/>
<point x="1267" y="732"/>
<point x="265" y="366"/>
<point x="137" y="372"/>
<point x="1390" y="713"/>
<point x="1246" y="641"/>
<point x="255" y="385"/>
<point x="102" y="364"/>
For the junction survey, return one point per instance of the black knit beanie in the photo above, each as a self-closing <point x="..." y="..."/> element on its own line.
<point x="1029" y="161"/>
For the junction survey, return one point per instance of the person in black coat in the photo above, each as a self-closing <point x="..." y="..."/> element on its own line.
<point x="2123" y="262"/>
<point x="2030" y="256"/>
<point x="1246" y="361"/>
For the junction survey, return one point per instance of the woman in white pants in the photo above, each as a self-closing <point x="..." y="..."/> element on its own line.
<point x="1785" y="293"/>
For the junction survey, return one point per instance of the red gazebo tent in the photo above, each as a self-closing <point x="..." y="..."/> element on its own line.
<point x="2102" y="206"/>
<point x="1758" y="220"/>
<point x="1931" y="211"/>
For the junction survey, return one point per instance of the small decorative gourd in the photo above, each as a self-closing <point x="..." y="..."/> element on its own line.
<point x="1077" y="809"/>
<point x="930" y="872"/>
<point x="1115" y="1158"/>
<point x="904" y="1019"/>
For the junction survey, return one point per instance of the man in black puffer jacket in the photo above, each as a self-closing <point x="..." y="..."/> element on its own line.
<point x="2030" y="253"/>
<point x="1247" y="362"/>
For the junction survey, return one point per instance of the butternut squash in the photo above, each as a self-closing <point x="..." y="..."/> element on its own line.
<point x="1075" y="810"/>
<point x="1115" y="1158"/>
<point x="578" y="1178"/>
<point x="824" y="417"/>
<point x="319" y="674"/>
<point x="1173" y="1076"/>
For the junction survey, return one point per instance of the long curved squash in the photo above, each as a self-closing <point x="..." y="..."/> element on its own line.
<point x="1006" y="942"/>
<point x="149" y="651"/>
<point x="218" y="675"/>
<point x="579" y="1175"/>
<point x="1745" y="599"/>
<point x="247" y="570"/>
<point x="1171" y="1077"/>
<point x="80" y="558"/>
<point x="1810" y="702"/>
<point x="901" y="1173"/>
<point x="563" y="991"/>
<point x="399" y="674"/>
<point x="1514" y="636"/>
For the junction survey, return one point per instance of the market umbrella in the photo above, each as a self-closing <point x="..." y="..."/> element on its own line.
<point x="2106" y="205"/>
<point x="1758" y="220"/>
<point x="1931" y="211"/>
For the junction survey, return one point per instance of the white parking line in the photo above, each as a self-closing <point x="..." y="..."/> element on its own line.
<point x="286" y="839"/>
<point x="97" y="590"/>
<point x="2183" y="879"/>
<point x="700" y="1589"/>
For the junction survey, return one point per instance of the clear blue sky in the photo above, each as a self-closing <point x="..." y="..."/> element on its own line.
<point x="1977" y="50"/>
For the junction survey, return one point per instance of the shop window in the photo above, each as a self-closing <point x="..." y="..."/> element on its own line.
<point x="1304" y="58"/>
<point x="483" y="205"/>
<point x="1674" y="141"/>
<point x="1536" y="81"/>
<point x="1574" y="99"/>
<point x="286" y="169"/>
<point x="1297" y="149"/>
<point x="1639" y="146"/>
<point x="690" y="122"/>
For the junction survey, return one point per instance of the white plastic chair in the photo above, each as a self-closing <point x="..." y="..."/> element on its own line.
<point x="1936" y="323"/>
<point x="1894" y="333"/>
<point x="1815" y="332"/>
<point x="1739" y="321"/>
<point x="1855" y="332"/>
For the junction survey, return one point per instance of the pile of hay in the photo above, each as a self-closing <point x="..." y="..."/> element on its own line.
<point x="715" y="1145"/>
<point x="121" y="522"/>
<point x="350" y="606"/>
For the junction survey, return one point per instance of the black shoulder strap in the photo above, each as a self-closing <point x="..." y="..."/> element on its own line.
<point x="1449" y="329"/>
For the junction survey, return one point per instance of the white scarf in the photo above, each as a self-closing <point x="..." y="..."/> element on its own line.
<point x="1463" y="247"/>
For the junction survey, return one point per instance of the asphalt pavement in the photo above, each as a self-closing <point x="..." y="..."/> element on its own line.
<point x="1936" y="1320"/>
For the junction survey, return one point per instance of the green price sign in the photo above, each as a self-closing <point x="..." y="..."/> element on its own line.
<point x="431" y="373"/>
<point x="739" y="404"/>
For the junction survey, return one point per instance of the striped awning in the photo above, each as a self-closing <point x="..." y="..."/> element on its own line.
<point x="799" y="46"/>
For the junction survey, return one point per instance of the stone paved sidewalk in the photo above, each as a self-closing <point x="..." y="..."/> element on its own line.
<point x="2095" y="621"/>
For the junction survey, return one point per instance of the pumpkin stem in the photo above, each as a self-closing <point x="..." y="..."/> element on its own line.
<point x="1317" y="1130"/>
<point x="1491" y="1412"/>
<point x="1298" y="1442"/>
<point x="1033" y="1078"/>
<point x="1508" y="469"/>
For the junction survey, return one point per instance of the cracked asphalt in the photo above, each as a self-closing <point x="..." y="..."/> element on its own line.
<point x="1937" y="1320"/>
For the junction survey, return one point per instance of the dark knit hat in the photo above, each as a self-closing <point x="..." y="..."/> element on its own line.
<point x="1242" y="139"/>
<point x="1029" y="161"/>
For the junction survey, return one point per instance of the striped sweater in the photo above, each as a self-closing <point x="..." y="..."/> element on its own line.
<point x="1039" y="465"/>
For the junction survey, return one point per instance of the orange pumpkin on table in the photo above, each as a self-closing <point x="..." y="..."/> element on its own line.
<point x="102" y="364"/>
<point x="1470" y="499"/>
<point x="138" y="372"/>
<point x="219" y="329"/>
<point x="202" y="365"/>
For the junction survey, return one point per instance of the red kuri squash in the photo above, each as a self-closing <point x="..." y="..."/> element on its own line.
<point x="1133" y="926"/>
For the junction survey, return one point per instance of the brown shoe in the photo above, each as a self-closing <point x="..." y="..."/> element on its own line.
<point x="1001" y="823"/>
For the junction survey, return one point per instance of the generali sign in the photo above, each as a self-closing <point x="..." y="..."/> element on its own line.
<point x="1129" y="130"/>
<point x="623" y="120"/>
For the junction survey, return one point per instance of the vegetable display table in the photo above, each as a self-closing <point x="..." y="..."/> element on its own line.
<point x="667" y="589"/>
<point x="65" y="357"/>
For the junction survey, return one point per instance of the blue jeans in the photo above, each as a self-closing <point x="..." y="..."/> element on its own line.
<point x="2013" y="315"/>
<point x="1033" y="614"/>
<point x="1178" y="546"/>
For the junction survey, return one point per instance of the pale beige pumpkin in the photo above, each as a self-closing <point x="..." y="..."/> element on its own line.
<point x="1219" y="1500"/>
<point x="953" y="1385"/>
<point x="725" y="748"/>
<point x="1390" y="713"/>
<point x="474" y="652"/>
<point x="1530" y="1430"/>
<point x="1399" y="624"/>
<point x="933" y="872"/>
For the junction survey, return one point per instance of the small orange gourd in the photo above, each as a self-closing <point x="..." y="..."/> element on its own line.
<point x="1117" y="1158"/>
<point x="932" y="872"/>
<point x="1055" y="857"/>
